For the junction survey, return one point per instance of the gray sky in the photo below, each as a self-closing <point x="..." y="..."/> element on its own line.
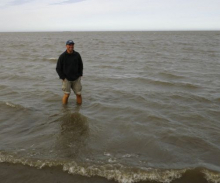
<point x="101" y="15"/>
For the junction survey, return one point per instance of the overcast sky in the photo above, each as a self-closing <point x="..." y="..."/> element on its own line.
<point x="102" y="15"/>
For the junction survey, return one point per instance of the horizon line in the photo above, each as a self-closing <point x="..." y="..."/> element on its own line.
<point x="162" y="30"/>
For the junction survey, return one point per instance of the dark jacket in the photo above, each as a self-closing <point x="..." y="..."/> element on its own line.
<point x="69" y="66"/>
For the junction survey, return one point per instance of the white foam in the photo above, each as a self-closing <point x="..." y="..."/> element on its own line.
<point x="112" y="160"/>
<point x="53" y="59"/>
<point x="129" y="155"/>
<point x="107" y="154"/>
<point x="111" y="171"/>
<point x="212" y="176"/>
<point x="123" y="174"/>
<point x="10" y="104"/>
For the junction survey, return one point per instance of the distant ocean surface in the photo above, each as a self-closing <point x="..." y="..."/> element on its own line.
<point x="150" y="112"/>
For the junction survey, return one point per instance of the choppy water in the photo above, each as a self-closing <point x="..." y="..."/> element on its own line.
<point x="150" y="112"/>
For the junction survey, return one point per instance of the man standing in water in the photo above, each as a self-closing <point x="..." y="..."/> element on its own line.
<point x="70" y="70"/>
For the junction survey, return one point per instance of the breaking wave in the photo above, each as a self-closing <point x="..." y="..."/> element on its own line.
<point x="117" y="172"/>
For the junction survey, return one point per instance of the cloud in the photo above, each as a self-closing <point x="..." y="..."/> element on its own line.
<point x="80" y="15"/>
<point x="16" y="2"/>
<point x="19" y="2"/>
<point x="68" y="2"/>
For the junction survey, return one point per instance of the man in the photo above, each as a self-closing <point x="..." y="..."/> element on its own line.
<point x="70" y="70"/>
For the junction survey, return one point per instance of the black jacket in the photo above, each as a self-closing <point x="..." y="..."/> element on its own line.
<point x="70" y="66"/>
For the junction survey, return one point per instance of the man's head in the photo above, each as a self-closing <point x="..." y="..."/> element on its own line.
<point x="69" y="46"/>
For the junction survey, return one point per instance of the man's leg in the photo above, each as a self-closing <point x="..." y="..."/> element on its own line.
<point x="66" y="89"/>
<point x="79" y="99"/>
<point x="77" y="88"/>
<point x="65" y="98"/>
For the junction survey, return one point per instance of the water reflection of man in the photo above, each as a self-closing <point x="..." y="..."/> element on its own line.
<point x="70" y="70"/>
<point x="73" y="135"/>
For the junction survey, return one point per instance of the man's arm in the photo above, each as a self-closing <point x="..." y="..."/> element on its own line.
<point x="59" y="68"/>
<point x="80" y="66"/>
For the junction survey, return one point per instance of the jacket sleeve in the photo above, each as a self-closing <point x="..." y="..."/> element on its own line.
<point x="59" y="68"/>
<point x="80" y="66"/>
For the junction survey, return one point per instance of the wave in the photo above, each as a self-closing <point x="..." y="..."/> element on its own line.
<point x="12" y="105"/>
<point x="211" y="176"/>
<point x="111" y="171"/>
<point x="109" y="66"/>
<point x="52" y="59"/>
<point x="153" y="81"/>
<point x="171" y="75"/>
<point x="184" y="85"/>
<point x="22" y="77"/>
<point x="189" y="97"/>
<point x="15" y="106"/>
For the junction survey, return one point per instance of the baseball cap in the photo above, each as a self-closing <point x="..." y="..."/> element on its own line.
<point x="69" y="42"/>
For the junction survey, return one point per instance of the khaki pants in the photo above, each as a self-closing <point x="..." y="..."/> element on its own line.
<point x="75" y="85"/>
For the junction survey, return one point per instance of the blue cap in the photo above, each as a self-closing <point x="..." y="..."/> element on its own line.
<point x="69" y="42"/>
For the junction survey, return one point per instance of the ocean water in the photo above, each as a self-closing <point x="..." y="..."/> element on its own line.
<point x="150" y="112"/>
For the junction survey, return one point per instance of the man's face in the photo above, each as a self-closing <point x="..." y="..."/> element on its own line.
<point x="70" y="48"/>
